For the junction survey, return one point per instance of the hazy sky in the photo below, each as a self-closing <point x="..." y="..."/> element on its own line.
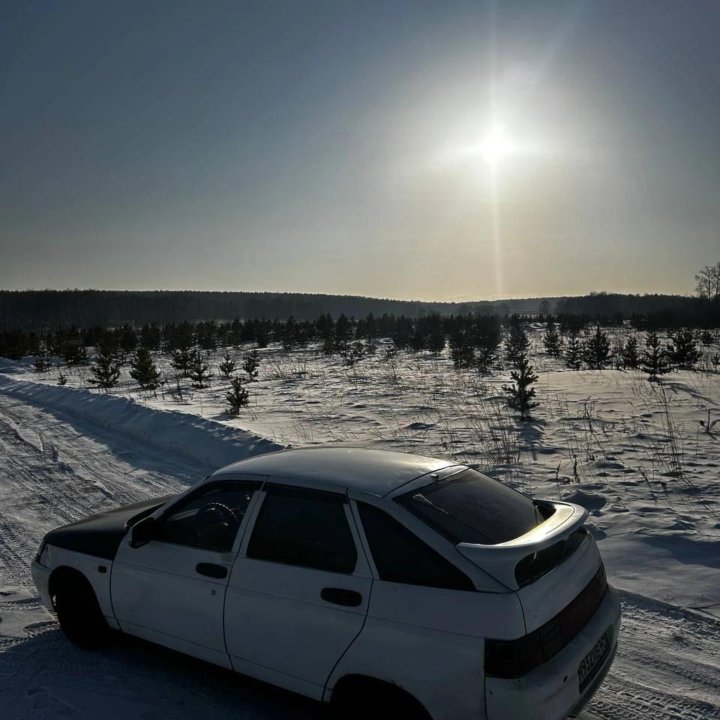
<point x="435" y="150"/>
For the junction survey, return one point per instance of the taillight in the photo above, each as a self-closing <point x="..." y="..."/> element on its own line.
<point x="515" y="658"/>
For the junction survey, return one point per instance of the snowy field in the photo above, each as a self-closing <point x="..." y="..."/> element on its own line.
<point x="634" y="453"/>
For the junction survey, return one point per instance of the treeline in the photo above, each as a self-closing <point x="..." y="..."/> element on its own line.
<point x="52" y="309"/>
<point x="71" y="344"/>
<point x="43" y="310"/>
<point x="472" y="338"/>
<point x="647" y="312"/>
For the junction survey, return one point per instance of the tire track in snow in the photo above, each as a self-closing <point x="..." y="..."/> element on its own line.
<point x="51" y="475"/>
<point x="667" y="666"/>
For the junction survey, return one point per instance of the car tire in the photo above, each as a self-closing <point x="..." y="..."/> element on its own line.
<point x="79" y="615"/>
<point x="365" y="699"/>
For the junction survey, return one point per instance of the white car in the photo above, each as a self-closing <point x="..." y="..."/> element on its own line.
<point x="364" y="578"/>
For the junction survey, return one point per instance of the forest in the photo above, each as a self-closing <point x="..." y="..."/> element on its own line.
<point x="49" y="310"/>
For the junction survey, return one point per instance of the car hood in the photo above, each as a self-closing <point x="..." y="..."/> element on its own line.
<point x="100" y="535"/>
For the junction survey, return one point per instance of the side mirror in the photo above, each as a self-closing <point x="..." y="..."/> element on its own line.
<point x="142" y="533"/>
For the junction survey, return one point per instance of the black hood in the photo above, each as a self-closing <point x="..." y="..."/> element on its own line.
<point x="101" y="534"/>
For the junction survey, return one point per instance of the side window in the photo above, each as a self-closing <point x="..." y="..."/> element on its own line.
<point x="208" y="520"/>
<point x="401" y="557"/>
<point x="306" y="528"/>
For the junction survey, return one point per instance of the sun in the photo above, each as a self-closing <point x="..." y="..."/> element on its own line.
<point x="491" y="148"/>
<point x="497" y="144"/>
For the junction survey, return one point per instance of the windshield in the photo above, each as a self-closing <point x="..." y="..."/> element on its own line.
<point x="473" y="508"/>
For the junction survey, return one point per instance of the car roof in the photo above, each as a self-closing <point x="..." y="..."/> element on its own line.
<point x="376" y="472"/>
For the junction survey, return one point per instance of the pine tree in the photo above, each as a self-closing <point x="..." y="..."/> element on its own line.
<point x="484" y="358"/>
<point x="106" y="370"/>
<point x="143" y="370"/>
<point x="237" y="397"/>
<point x="516" y="343"/>
<point x="485" y="334"/>
<point x="61" y="379"/>
<point x="227" y="366"/>
<point x="402" y="333"/>
<point x="654" y="360"/>
<point x="573" y="351"/>
<point x="370" y="331"/>
<point x="178" y="337"/>
<point x="343" y="331"/>
<point x="461" y="350"/>
<point x="262" y="337"/>
<point x="520" y="394"/>
<point x="683" y="352"/>
<point x="206" y="334"/>
<point x="435" y="341"/>
<point x="463" y="356"/>
<point x="325" y="328"/>
<point x="290" y="334"/>
<point x="251" y="364"/>
<point x="596" y="350"/>
<point x="353" y="353"/>
<point x="418" y="340"/>
<point x="150" y="336"/>
<point x="181" y="361"/>
<point x="127" y="339"/>
<point x="75" y="353"/>
<point x="43" y="361"/>
<point x="199" y="370"/>
<point x="390" y="361"/>
<point x="329" y="347"/>
<point x="629" y="353"/>
<point x="552" y="340"/>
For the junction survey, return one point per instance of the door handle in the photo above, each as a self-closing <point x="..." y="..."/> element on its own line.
<point x="211" y="570"/>
<point x="341" y="596"/>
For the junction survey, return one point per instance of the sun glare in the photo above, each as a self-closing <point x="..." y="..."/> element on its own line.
<point x="497" y="144"/>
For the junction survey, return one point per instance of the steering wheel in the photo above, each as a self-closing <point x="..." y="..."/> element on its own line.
<point x="216" y="523"/>
<point x="215" y="512"/>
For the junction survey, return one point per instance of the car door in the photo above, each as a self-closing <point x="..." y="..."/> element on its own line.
<point x="299" y="590"/>
<point x="172" y="589"/>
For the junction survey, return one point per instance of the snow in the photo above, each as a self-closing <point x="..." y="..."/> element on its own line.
<point x="198" y="438"/>
<point x="635" y="454"/>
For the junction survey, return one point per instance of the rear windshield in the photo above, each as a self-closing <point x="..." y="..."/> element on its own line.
<point x="473" y="508"/>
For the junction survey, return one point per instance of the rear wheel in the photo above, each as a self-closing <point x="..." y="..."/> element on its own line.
<point x="362" y="698"/>
<point x="79" y="613"/>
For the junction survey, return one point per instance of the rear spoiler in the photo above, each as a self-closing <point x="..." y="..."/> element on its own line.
<point x="501" y="560"/>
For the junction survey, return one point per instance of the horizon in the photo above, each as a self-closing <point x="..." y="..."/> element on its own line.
<point x="354" y="295"/>
<point x="458" y="152"/>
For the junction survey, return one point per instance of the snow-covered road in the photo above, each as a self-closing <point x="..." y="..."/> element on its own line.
<point x="54" y="470"/>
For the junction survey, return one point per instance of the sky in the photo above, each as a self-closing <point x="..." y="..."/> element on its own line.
<point x="443" y="150"/>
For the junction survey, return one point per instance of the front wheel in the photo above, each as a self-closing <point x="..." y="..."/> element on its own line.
<point x="79" y="615"/>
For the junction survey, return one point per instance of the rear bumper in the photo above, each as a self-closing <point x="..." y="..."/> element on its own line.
<point x="551" y="692"/>
<point x="41" y="577"/>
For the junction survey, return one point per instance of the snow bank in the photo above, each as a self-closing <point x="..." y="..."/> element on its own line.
<point x="202" y="440"/>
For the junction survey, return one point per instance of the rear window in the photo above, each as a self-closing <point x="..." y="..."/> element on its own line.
<point x="473" y="508"/>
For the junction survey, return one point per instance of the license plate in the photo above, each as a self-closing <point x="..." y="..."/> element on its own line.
<point x="591" y="663"/>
